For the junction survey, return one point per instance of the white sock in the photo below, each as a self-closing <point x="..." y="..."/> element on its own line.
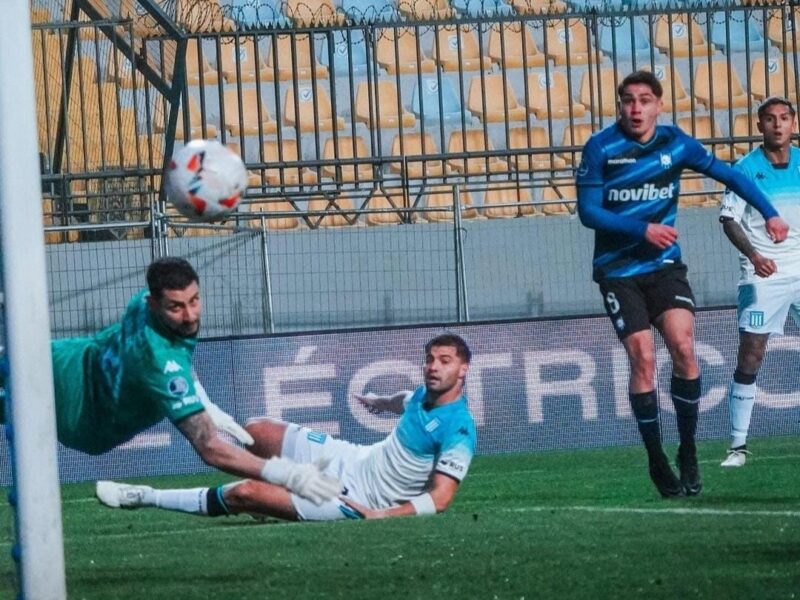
<point x="189" y="500"/>
<point x="741" y="398"/>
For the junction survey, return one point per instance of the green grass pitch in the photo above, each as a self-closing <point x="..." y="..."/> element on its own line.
<point x="578" y="524"/>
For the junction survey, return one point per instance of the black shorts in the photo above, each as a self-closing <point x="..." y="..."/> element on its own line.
<point x="634" y="303"/>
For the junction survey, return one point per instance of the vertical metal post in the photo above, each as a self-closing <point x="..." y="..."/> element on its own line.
<point x="266" y="278"/>
<point x="462" y="305"/>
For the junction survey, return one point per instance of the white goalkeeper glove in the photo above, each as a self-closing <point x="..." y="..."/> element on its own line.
<point x="306" y="480"/>
<point x="222" y="420"/>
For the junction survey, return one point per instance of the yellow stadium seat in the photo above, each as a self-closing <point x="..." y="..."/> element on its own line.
<point x="381" y="201"/>
<point x="712" y="85"/>
<point x="511" y="45"/>
<point x="441" y="196"/>
<point x="252" y="119"/>
<point x="404" y="58"/>
<point x="295" y="58"/>
<point x="456" y="48"/>
<point x="680" y="36"/>
<point x="346" y="148"/>
<point x="492" y="102"/>
<point x="285" y="151"/>
<point x="552" y="88"/>
<point x="473" y="141"/>
<point x="700" y="127"/>
<point x="518" y="140"/>
<point x="415" y="144"/>
<point x="382" y="109"/>
<point x="600" y="99"/>
<point x="507" y="193"/>
<point x="309" y="113"/>
<point x="556" y="198"/>
<point x="338" y="212"/>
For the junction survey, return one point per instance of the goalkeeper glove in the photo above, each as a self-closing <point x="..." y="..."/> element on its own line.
<point x="222" y="420"/>
<point x="306" y="480"/>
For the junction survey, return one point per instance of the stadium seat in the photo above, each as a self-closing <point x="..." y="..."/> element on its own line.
<point x="381" y="201"/>
<point x="511" y="45"/>
<point x="51" y="216"/>
<point x="700" y="127"/>
<point x="770" y="78"/>
<point x="625" y="38"/>
<point x="507" y="192"/>
<point x="600" y="99"/>
<point x="239" y="61"/>
<point x="426" y="102"/>
<point x="312" y="13"/>
<point x="348" y="50"/>
<point x="492" y="101"/>
<point x="253" y="119"/>
<point x="342" y="150"/>
<point x="557" y="93"/>
<point x="441" y="196"/>
<point x="567" y="42"/>
<point x="423" y="10"/>
<point x="473" y="141"/>
<point x="203" y="16"/>
<point x="197" y="128"/>
<point x="745" y="125"/>
<point x="295" y="58"/>
<point x="198" y="67"/>
<point x="405" y="58"/>
<point x="415" y="144"/>
<point x="275" y="223"/>
<point x="383" y="108"/>
<point x="736" y="31"/>
<point x="518" y="140"/>
<point x="456" y="48"/>
<point x="287" y="152"/>
<point x="339" y="212"/>
<point x="482" y="8"/>
<point x="556" y="198"/>
<point x="699" y="192"/>
<point x="253" y="178"/>
<point x="712" y="86"/>
<point x="576" y="134"/>
<point x="307" y="113"/>
<point x="782" y="28"/>
<point x="680" y="36"/>
<point x="539" y="7"/>
<point x="678" y="100"/>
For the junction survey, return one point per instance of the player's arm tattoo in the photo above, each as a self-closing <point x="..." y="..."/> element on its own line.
<point x="198" y="429"/>
<point x="738" y="237"/>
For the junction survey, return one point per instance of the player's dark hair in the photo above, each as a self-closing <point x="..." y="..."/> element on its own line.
<point x="169" y="273"/>
<point x="453" y="341"/>
<point x="644" y="77"/>
<point x="771" y="101"/>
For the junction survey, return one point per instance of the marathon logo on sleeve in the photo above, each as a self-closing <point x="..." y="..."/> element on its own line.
<point x="645" y="193"/>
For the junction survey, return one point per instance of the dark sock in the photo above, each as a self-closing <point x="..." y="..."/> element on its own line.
<point x="686" y="399"/>
<point x="744" y="378"/>
<point x="645" y="409"/>
<point x="215" y="503"/>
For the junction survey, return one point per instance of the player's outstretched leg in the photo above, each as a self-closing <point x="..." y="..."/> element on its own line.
<point x="202" y="501"/>
<point x="645" y="409"/>
<point x="686" y="398"/>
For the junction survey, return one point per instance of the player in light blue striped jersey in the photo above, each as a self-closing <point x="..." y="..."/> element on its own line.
<point x="769" y="286"/>
<point x="415" y="470"/>
<point x="628" y="187"/>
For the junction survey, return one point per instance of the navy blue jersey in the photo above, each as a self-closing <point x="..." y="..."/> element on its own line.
<point x="624" y="185"/>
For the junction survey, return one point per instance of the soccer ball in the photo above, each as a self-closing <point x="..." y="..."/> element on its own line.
<point x="205" y="180"/>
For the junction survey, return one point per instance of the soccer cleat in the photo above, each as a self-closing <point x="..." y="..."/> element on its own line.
<point x="664" y="479"/>
<point x="736" y="457"/>
<point x="690" y="471"/>
<point x="121" y="495"/>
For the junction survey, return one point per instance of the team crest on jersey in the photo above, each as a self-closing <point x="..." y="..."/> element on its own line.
<point x="172" y="367"/>
<point x="432" y="425"/>
<point x="666" y="161"/>
<point x="178" y="386"/>
<point x="583" y="169"/>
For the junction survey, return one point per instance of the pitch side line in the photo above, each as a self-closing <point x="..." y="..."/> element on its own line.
<point x="711" y="512"/>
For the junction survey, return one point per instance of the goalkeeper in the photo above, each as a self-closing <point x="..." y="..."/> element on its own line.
<point x="417" y="469"/>
<point x="129" y="376"/>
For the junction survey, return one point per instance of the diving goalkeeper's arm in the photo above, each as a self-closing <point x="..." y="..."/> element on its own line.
<point x="306" y="480"/>
<point x="395" y="403"/>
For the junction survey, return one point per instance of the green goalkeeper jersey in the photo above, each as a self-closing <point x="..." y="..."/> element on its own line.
<point x="122" y="380"/>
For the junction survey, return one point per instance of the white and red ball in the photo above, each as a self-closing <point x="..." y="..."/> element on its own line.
<point x="205" y="180"/>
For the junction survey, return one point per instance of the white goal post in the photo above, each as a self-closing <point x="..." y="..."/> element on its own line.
<point x="39" y="528"/>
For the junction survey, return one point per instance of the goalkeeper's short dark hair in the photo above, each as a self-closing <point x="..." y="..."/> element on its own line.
<point x="453" y="341"/>
<point x="170" y="273"/>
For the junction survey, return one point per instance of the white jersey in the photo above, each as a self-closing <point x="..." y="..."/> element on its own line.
<point x="781" y="184"/>
<point x="396" y="469"/>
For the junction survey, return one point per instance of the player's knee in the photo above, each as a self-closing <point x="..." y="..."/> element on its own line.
<point x="268" y="436"/>
<point x="682" y="352"/>
<point x="240" y="496"/>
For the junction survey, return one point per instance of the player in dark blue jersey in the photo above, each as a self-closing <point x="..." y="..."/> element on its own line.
<point x="628" y="185"/>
